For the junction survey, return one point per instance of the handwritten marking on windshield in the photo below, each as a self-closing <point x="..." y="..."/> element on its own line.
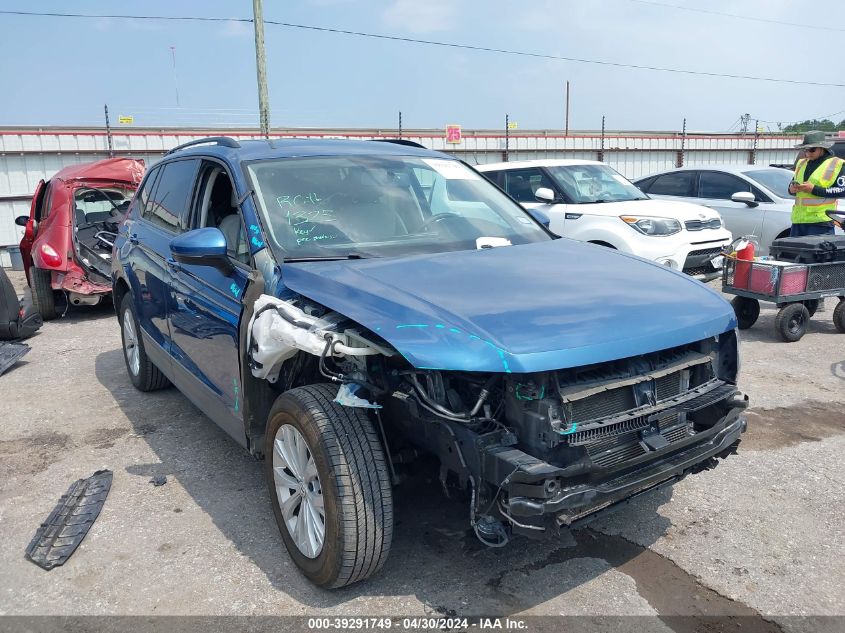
<point x="304" y="214"/>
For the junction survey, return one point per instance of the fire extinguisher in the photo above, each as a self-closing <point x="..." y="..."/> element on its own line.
<point x="744" y="257"/>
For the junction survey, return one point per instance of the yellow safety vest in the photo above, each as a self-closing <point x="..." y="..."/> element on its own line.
<point x="809" y="208"/>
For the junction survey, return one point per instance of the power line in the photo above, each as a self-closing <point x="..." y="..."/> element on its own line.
<point x="554" y="57"/>
<point x="486" y="49"/>
<point x="125" y="17"/>
<point x="739" y="17"/>
<point x="815" y="118"/>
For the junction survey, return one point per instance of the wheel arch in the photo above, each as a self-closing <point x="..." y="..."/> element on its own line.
<point x="119" y="290"/>
<point x="602" y="243"/>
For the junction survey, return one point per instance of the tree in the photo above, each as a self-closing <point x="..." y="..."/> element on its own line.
<point x="826" y="125"/>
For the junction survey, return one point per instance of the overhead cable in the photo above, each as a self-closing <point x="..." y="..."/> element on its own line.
<point x="752" y="18"/>
<point x="486" y="49"/>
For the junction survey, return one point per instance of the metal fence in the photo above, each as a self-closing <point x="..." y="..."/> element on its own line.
<point x="28" y="155"/>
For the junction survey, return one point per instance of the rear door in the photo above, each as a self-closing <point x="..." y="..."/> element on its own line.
<point x="206" y="310"/>
<point x="162" y="212"/>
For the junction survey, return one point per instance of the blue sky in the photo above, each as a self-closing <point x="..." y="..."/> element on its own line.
<point x="62" y="71"/>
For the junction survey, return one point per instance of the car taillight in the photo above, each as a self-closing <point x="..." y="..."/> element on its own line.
<point x="51" y="257"/>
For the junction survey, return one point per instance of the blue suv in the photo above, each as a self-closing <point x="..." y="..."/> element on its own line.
<point x="340" y="307"/>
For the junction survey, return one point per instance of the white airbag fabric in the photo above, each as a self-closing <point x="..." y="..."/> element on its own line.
<point x="278" y="340"/>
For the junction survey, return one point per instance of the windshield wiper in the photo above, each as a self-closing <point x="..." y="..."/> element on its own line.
<point x="327" y="258"/>
<point x="603" y="200"/>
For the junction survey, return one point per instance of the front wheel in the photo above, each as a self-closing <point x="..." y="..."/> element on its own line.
<point x="329" y="486"/>
<point x="746" y="310"/>
<point x="791" y="322"/>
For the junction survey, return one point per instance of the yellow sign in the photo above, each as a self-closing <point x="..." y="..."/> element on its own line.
<point x="453" y="134"/>
<point x="128" y="120"/>
<point x="512" y="125"/>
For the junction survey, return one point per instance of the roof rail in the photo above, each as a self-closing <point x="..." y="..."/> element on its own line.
<point x="225" y="141"/>
<point x="399" y="141"/>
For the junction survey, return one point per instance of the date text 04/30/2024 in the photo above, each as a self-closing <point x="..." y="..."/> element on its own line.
<point x="416" y="623"/>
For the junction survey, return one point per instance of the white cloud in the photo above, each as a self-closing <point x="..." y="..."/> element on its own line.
<point x="415" y="16"/>
<point x="237" y="28"/>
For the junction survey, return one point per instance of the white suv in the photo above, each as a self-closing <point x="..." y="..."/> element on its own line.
<point x="589" y="201"/>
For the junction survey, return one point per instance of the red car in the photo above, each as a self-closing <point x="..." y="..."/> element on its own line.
<point x="70" y="230"/>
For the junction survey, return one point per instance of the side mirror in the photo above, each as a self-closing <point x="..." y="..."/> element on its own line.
<point x="745" y="196"/>
<point x="22" y="220"/>
<point x="201" y="247"/>
<point x="544" y="194"/>
<point x="538" y="215"/>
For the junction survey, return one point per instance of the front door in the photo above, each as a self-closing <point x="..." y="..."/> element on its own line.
<point x="31" y="227"/>
<point x="715" y="190"/>
<point x="206" y="310"/>
<point x="521" y="184"/>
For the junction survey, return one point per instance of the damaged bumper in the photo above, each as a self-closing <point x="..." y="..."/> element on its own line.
<point x="75" y="280"/>
<point x="540" y="495"/>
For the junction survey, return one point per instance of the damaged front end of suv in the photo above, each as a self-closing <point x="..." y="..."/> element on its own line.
<point x="542" y="440"/>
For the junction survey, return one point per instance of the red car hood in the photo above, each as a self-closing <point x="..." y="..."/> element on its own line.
<point x="128" y="170"/>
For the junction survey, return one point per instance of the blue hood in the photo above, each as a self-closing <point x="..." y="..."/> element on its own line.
<point x="520" y="309"/>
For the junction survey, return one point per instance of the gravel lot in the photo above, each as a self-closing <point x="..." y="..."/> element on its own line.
<point x="759" y="536"/>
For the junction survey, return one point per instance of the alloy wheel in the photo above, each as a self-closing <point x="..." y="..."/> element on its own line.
<point x="299" y="491"/>
<point x="130" y="344"/>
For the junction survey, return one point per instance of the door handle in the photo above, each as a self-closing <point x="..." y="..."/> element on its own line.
<point x="173" y="265"/>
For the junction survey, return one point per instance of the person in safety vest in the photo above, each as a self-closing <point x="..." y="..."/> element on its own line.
<point x="818" y="182"/>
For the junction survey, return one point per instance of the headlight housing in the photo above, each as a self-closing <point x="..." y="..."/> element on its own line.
<point x="649" y="225"/>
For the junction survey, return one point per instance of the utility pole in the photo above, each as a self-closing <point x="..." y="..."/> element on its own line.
<point x="753" y="156"/>
<point x="507" y="137"/>
<point x="601" y="151"/>
<point x="175" y="76"/>
<point x="566" y="129"/>
<point x="108" y="131"/>
<point x="400" y="124"/>
<point x="260" y="62"/>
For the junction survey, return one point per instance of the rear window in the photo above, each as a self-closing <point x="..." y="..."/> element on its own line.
<point x="169" y="204"/>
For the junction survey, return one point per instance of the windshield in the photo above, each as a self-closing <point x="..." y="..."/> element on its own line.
<point x="775" y="180"/>
<point x="585" y="184"/>
<point x="365" y="206"/>
<point x="95" y="204"/>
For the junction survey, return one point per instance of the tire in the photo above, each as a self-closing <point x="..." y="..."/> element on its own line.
<point x="839" y="316"/>
<point x="43" y="297"/>
<point x="343" y="450"/>
<point x="746" y="310"/>
<point x="791" y="322"/>
<point x="142" y="372"/>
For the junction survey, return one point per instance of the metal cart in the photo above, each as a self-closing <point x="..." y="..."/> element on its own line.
<point x="795" y="288"/>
